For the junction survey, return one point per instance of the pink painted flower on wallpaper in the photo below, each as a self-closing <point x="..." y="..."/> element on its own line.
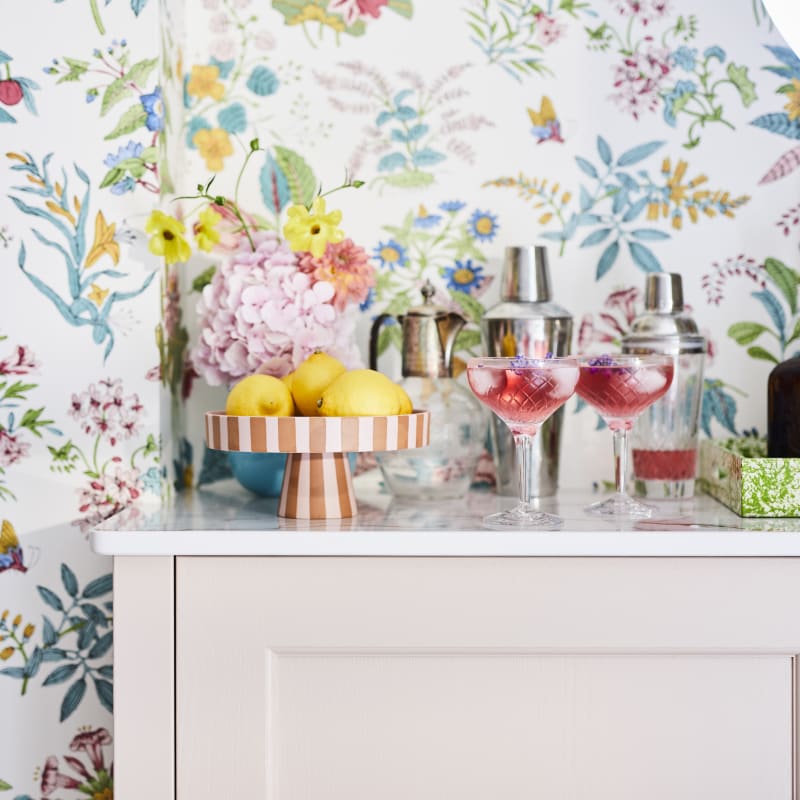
<point x="739" y="267"/>
<point x="110" y="492"/>
<point x="348" y="9"/>
<point x="52" y="779"/>
<point x="12" y="449"/>
<point x="223" y="48"/>
<point x="347" y="267"/>
<point x="264" y="40"/>
<point x="646" y="11"/>
<point x="104" y="410"/>
<point x="638" y="80"/>
<point x="608" y="326"/>
<point x="549" y="30"/>
<point x="92" y="742"/>
<point x="219" y="23"/>
<point x="21" y="362"/>
<point x="371" y="8"/>
<point x="259" y="309"/>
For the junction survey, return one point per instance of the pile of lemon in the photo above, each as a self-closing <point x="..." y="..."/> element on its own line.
<point x="320" y="387"/>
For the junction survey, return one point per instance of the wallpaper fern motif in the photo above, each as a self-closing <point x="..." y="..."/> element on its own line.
<point x="631" y="136"/>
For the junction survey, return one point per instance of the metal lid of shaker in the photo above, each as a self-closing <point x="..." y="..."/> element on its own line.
<point x="665" y="323"/>
<point x="526" y="275"/>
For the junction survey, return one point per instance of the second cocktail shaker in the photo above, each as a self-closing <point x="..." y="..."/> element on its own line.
<point x="527" y="323"/>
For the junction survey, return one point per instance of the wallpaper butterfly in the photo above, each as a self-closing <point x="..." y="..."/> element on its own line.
<point x="10" y="550"/>
<point x="546" y="126"/>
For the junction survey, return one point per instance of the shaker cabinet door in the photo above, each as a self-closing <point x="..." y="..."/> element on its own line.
<point x="431" y="679"/>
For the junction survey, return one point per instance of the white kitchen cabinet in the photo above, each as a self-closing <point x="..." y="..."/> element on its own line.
<point x="405" y="658"/>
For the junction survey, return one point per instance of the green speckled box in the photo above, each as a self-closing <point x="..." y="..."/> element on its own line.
<point x="752" y="486"/>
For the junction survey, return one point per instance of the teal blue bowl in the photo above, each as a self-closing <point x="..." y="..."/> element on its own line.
<point x="262" y="473"/>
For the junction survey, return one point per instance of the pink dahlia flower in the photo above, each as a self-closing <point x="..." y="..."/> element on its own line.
<point x="346" y="267"/>
<point x="260" y="313"/>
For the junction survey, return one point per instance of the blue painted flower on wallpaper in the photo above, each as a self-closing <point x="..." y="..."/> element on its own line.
<point x="89" y="300"/>
<point x="676" y="99"/>
<point x="391" y="254"/>
<point x="368" y="301"/>
<point x="452" y="206"/>
<point x="448" y="255"/>
<point x="685" y="58"/>
<point x="617" y="204"/>
<point x="464" y="276"/>
<point x="14" y="89"/>
<point x="154" y="109"/>
<point x="412" y="125"/>
<point x="78" y="639"/>
<point x="714" y="52"/>
<point x="483" y="225"/>
<point x="425" y="219"/>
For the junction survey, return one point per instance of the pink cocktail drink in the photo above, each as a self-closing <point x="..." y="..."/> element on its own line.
<point x="620" y="393"/>
<point x="523" y="392"/>
<point x="620" y="388"/>
<point x="664" y="465"/>
<point x="523" y="397"/>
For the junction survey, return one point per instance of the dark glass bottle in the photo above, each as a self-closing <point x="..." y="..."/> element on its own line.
<point x="783" y="410"/>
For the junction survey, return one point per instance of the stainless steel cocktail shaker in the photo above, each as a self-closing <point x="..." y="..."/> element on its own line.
<point x="527" y="323"/>
<point x="665" y="435"/>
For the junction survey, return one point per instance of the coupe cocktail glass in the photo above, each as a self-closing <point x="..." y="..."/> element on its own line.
<point x="620" y="387"/>
<point x="523" y="392"/>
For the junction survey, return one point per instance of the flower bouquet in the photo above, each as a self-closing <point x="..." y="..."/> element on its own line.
<point x="272" y="300"/>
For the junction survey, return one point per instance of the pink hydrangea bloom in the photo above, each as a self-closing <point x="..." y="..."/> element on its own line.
<point x="261" y="313"/>
<point x="549" y="30"/>
<point x="346" y="267"/>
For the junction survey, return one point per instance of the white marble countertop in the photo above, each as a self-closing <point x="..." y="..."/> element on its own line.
<point x="226" y="520"/>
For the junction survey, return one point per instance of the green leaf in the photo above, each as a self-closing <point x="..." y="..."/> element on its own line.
<point x="140" y="72"/>
<point x="112" y="176"/>
<point x="4" y="787"/>
<point x="149" y="155"/>
<point x="467" y="340"/>
<point x="31" y="420"/>
<point x="401" y="7"/>
<point x="739" y="78"/>
<point x="133" y="165"/>
<point x="203" y="279"/>
<point x="761" y="354"/>
<point x="17" y="390"/>
<point x="115" y="91"/>
<point x="472" y="308"/>
<point x="76" y="70"/>
<point x="785" y="278"/>
<point x="302" y="183"/>
<point x="746" y="332"/>
<point x="132" y="119"/>
<point x="410" y="180"/>
<point x="390" y="336"/>
<point x="795" y="332"/>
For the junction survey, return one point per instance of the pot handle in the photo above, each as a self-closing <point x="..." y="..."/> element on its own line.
<point x="373" y="338"/>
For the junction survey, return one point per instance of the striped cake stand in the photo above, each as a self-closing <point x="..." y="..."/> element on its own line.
<point x="317" y="483"/>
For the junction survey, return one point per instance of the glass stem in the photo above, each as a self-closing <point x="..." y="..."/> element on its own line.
<point x="620" y="459"/>
<point x="524" y="444"/>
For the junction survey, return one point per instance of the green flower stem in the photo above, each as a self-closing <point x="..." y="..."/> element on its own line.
<point x="8" y="71"/>
<point x="94" y="453"/>
<point x="308" y="35"/>
<point x="21" y="647"/>
<point x="96" y="16"/>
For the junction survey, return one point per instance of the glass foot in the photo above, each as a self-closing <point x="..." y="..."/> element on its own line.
<point x="620" y="506"/>
<point x="523" y="516"/>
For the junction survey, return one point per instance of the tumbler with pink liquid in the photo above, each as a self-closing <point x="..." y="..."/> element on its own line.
<point x="665" y="435"/>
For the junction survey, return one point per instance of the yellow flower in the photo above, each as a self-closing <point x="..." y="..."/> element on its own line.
<point x="204" y="83"/>
<point x="205" y="233"/>
<point x="312" y="13"/>
<point x="311" y="231"/>
<point x="167" y="239"/>
<point x="28" y="630"/>
<point x="214" y="144"/>
<point x="793" y="106"/>
<point x="16" y="621"/>
<point x="6" y="653"/>
<point x="97" y="295"/>
<point x="104" y="243"/>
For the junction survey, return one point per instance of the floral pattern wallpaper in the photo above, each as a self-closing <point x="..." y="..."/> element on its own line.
<point x="630" y="136"/>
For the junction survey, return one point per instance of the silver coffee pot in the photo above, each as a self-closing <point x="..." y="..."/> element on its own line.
<point x="527" y="323"/>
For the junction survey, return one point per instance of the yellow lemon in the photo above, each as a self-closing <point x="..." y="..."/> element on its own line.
<point x="260" y="396"/>
<point x="406" y="407"/>
<point x="311" y="378"/>
<point x="360" y="393"/>
<point x="287" y="379"/>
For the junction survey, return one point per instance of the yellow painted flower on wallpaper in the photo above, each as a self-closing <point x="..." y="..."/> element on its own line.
<point x="214" y="145"/>
<point x="97" y="294"/>
<point x="312" y="230"/>
<point x="104" y="243"/>
<point x="793" y="96"/>
<point x="313" y="13"/>
<point x="167" y="238"/>
<point x="205" y="229"/>
<point x="204" y="82"/>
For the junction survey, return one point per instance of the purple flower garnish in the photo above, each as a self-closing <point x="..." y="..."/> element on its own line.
<point x="602" y="361"/>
